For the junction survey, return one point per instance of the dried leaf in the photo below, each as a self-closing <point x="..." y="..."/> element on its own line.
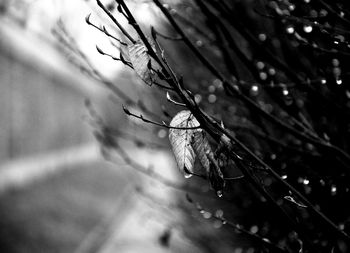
<point x="141" y="62"/>
<point x="180" y="140"/>
<point x="124" y="53"/>
<point x="202" y="148"/>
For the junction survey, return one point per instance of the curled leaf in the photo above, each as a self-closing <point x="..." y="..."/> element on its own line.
<point x="142" y="63"/>
<point x="180" y="140"/>
<point x="100" y="50"/>
<point x="87" y="19"/>
<point x="202" y="148"/>
<point x="205" y="154"/>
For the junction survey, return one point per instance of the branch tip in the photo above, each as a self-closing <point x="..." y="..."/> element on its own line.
<point x="127" y="112"/>
<point x="100" y="50"/>
<point x="87" y="19"/>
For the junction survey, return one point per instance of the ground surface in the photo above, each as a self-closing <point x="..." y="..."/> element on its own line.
<point x="90" y="208"/>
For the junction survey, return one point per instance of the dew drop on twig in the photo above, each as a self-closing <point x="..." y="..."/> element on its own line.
<point x="333" y="190"/>
<point x="219" y="194"/>
<point x="290" y="29"/>
<point x="211" y="98"/>
<point x="187" y="175"/>
<point x="307" y="28"/>
<point x="306" y="181"/>
<point x="262" y="37"/>
<point x="219" y="213"/>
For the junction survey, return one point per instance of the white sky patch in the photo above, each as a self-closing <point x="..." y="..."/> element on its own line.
<point x="42" y="15"/>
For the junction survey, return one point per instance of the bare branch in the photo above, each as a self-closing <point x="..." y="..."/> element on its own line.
<point x="163" y="124"/>
<point x="121" y="28"/>
<point x="103" y="30"/>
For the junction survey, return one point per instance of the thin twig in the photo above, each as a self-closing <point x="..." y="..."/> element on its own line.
<point x="238" y="228"/>
<point x="103" y="30"/>
<point x="163" y="124"/>
<point x="121" y="28"/>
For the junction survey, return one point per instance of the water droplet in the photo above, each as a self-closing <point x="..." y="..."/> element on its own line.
<point x="263" y="75"/>
<point x="285" y="92"/>
<point x="254" y="229"/>
<point x="313" y="13"/>
<point x="323" y="13"/>
<point x="284" y="177"/>
<point x="219" y="194"/>
<point x="335" y="62"/>
<point x="199" y="43"/>
<point x="306" y="181"/>
<point x="323" y="81"/>
<point x="211" y="98"/>
<point x="162" y="133"/>
<point x="333" y="190"/>
<point x="336" y="72"/>
<point x="291" y="7"/>
<point x="207" y="215"/>
<point x="198" y="98"/>
<point x="272" y="71"/>
<point x="211" y="88"/>
<point x="307" y="28"/>
<point x="219" y="213"/>
<point x="254" y="90"/>
<point x="290" y="29"/>
<point x="310" y="147"/>
<point x="260" y="65"/>
<point x="262" y="37"/>
<point x="217" y="83"/>
<point x="187" y="175"/>
<point x="266" y="240"/>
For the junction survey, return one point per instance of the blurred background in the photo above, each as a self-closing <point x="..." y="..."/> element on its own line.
<point x="57" y="192"/>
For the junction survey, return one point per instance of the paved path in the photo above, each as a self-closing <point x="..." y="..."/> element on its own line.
<point x="88" y="207"/>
